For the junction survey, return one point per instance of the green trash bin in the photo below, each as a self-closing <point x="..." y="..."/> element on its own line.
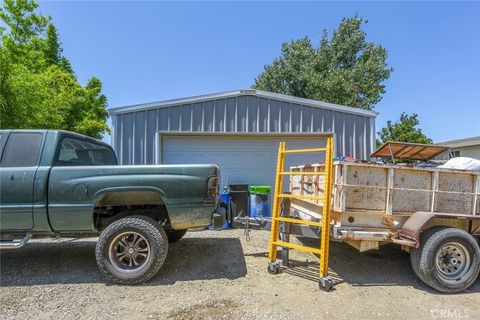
<point x="260" y="204"/>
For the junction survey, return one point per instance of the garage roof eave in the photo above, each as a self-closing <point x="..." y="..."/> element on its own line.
<point x="237" y="93"/>
<point x="315" y="103"/>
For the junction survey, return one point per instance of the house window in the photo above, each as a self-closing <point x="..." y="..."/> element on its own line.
<point x="455" y="154"/>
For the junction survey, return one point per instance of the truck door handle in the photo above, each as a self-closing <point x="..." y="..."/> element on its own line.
<point x="11" y="177"/>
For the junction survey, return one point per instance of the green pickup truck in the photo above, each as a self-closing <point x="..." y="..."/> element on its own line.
<point x="61" y="184"/>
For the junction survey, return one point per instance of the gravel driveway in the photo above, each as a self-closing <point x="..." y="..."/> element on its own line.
<point x="220" y="275"/>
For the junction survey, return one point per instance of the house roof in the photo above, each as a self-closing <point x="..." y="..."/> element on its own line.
<point x="466" y="142"/>
<point x="241" y="92"/>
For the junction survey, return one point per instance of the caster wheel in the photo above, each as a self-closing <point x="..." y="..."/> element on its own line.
<point x="325" y="284"/>
<point x="273" y="268"/>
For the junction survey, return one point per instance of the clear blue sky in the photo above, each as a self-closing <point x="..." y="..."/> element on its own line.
<point x="149" y="51"/>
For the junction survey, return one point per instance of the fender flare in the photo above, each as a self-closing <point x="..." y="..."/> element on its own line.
<point x="100" y="194"/>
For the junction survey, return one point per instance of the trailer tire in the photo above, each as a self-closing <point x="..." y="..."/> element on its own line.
<point x="131" y="250"/>
<point x="416" y="253"/>
<point x="447" y="260"/>
<point x="175" y="235"/>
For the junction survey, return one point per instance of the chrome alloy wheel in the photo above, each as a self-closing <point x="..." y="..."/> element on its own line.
<point x="453" y="261"/>
<point x="129" y="251"/>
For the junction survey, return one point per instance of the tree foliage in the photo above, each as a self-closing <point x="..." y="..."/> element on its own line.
<point x="404" y="131"/>
<point x="38" y="88"/>
<point x="343" y="69"/>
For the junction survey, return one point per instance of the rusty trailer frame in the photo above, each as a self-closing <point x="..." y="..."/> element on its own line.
<point x="377" y="204"/>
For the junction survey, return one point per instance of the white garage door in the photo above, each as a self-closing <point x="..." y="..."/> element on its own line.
<point x="242" y="160"/>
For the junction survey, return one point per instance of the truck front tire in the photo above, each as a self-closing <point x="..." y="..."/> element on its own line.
<point x="447" y="260"/>
<point x="131" y="250"/>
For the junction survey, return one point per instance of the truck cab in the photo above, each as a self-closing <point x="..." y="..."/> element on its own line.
<point x="60" y="183"/>
<point x="27" y="158"/>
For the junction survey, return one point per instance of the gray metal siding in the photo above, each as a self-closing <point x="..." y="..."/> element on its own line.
<point x="228" y="151"/>
<point x="134" y="132"/>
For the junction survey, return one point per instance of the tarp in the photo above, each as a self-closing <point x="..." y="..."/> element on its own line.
<point x="462" y="163"/>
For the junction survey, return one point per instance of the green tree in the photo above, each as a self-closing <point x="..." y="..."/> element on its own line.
<point x="405" y="130"/>
<point x="53" y="50"/>
<point x="38" y="88"/>
<point x="343" y="69"/>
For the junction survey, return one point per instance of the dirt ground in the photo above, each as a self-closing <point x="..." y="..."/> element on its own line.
<point x="220" y="275"/>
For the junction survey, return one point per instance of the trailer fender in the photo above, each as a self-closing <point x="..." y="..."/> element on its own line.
<point x="416" y="224"/>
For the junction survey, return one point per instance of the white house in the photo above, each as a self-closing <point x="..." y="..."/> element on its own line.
<point x="467" y="147"/>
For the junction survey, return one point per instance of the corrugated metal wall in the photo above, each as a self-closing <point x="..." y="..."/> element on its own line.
<point x="134" y="132"/>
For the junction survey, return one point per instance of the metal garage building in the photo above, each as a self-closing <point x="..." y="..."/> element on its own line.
<point x="238" y="130"/>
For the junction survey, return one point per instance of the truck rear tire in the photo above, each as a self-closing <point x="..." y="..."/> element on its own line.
<point x="447" y="260"/>
<point x="131" y="250"/>
<point x="175" y="235"/>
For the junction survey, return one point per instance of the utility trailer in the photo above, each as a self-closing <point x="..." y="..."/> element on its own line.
<point x="433" y="213"/>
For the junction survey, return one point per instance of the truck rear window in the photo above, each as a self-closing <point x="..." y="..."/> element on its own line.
<point x="22" y="149"/>
<point x="74" y="152"/>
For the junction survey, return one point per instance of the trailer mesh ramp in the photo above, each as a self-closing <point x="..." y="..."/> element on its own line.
<point x="274" y="266"/>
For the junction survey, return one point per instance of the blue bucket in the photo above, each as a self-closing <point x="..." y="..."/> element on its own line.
<point x="260" y="205"/>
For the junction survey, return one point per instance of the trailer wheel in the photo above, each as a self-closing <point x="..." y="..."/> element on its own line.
<point x="131" y="250"/>
<point x="447" y="260"/>
<point x="416" y="253"/>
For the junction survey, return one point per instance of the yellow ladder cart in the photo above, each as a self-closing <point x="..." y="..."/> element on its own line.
<point x="274" y="266"/>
